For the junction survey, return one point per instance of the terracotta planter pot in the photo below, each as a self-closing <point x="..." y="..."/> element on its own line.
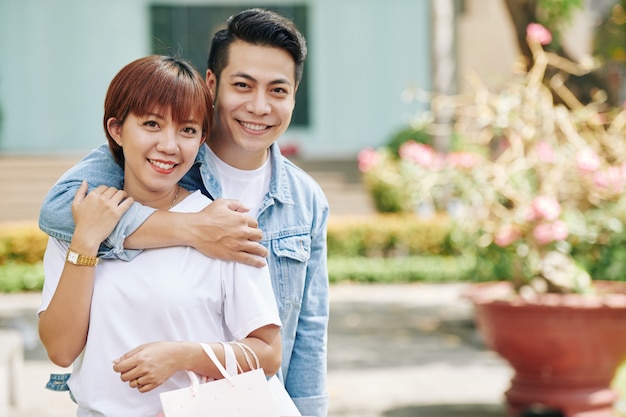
<point x="564" y="349"/>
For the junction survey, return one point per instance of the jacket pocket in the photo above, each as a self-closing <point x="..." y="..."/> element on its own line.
<point x="291" y="255"/>
<point x="296" y="248"/>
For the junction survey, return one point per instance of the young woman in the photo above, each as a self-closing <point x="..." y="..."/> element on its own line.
<point x="131" y="328"/>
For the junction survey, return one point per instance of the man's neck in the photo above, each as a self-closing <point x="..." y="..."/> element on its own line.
<point x="238" y="158"/>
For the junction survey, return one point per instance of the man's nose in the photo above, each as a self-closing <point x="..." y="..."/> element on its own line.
<point x="259" y="103"/>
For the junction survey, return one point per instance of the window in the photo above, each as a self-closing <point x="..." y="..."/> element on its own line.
<point x="187" y="32"/>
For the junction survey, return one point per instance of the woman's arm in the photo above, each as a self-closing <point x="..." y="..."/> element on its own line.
<point x="148" y="366"/>
<point x="64" y="325"/>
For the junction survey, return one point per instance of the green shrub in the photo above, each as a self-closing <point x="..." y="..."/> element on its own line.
<point x="376" y="248"/>
<point x="407" y="133"/>
<point x="22" y="242"/>
<point x="402" y="269"/>
<point x="15" y="277"/>
<point x="388" y="235"/>
<point x="22" y="246"/>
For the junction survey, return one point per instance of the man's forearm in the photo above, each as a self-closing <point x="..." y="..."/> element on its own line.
<point x="217" y="231"/>
<point x="162" y="229"/>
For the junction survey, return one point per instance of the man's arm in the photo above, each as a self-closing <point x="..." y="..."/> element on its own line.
<point x="221" y="230"/>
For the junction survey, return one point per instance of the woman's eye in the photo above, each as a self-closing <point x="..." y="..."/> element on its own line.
<point x="151" y="123"/>
<point x="190" y="130"/>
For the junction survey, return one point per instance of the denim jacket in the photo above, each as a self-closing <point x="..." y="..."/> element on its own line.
<point x="293" y="218"/>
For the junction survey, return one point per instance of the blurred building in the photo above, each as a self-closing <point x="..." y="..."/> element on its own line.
<point x="58" y="56"/>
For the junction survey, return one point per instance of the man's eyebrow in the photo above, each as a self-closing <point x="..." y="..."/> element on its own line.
<point x="254" y="80"/>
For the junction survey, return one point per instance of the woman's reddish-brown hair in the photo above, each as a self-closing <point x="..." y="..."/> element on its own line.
<point x="157" y="82"/>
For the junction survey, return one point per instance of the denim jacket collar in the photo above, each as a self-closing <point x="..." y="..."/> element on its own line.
<point x="279" y="183"/>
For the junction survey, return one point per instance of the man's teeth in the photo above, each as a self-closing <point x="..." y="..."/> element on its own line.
<point x="162" y="165"/>
<point x="253" y="126"/>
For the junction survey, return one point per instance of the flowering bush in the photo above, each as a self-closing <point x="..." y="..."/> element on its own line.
<point x="540" y="184"/>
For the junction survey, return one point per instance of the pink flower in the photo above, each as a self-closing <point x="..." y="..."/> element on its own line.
<point x="418" y="153"/>
<point x="538" y="33"/>
<point x="611" y="179"/>
<point x="545" y="233"/>
<point x="560" y="231"/>
<point x="587" y="160"/>
<point x="507" y="235"/>
<point x="545" y="152"/>
<point x="546" y="207"/>
<point x="464" y="160"/>
<point x="368" y="158"/>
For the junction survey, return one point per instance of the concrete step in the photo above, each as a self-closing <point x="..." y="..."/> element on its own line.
<point x="24" y="182"/>
<point x="342" y="184"/>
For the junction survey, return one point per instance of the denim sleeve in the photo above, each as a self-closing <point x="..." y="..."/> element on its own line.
<point x="307" y="371"/>
<point x="98" y="168"/>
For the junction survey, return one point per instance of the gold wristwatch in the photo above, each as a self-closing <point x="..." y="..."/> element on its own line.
<point x="80" y="259"/>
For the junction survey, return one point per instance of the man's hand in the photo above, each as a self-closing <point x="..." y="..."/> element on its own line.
<point x="223" y="231"/>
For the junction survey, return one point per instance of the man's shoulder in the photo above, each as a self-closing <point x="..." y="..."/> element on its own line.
<point x="300" y="179"/>
<point x="299" y="174"/>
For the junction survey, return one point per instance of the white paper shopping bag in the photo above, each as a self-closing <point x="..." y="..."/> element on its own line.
<point x="243" y="395"/>
<point x="284" y="403"/>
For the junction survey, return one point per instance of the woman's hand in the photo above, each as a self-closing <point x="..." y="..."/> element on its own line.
<point x="96" y="214"/>
<point x="148" y="366"/>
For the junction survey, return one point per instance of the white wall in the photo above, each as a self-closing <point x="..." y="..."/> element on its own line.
<point x="56" y="60"/>
<point x="366" y="52"/>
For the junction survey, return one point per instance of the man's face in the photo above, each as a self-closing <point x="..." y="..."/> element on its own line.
<point x="254" y="102"/>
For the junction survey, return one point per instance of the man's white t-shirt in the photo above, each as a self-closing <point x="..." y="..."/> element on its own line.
<point x="173" y="293"/>
<point x="247" y="186"/>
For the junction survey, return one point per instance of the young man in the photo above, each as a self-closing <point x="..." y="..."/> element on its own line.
<point x="254" y="68"/>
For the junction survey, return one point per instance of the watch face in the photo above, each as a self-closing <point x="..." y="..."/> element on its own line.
<point x="72" y="257"/>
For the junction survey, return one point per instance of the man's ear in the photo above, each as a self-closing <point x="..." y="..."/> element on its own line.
<point x="211" y="82"/>
<point x="114" y="127"/>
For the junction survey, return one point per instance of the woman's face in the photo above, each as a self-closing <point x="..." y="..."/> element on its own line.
<point x="158" y="151"/>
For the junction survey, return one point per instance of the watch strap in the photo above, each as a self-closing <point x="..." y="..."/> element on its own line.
<point x="79" y="259"/>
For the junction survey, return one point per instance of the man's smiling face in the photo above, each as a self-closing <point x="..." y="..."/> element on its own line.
<point x="254" y="102"/>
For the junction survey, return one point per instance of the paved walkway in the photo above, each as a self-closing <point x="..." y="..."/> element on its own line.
<point x="394" y="351"/>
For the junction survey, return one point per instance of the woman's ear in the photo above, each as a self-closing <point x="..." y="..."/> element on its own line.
<point x="115" y="130"/>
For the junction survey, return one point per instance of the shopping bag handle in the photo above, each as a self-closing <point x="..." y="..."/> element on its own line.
<point x="195" y="382"/>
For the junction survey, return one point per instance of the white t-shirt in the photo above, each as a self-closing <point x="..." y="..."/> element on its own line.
<point x="171" y="293"/>
<point x="247" y="186"/>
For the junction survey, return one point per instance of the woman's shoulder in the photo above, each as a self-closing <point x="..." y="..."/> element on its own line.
<point x="193" y="203"/>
